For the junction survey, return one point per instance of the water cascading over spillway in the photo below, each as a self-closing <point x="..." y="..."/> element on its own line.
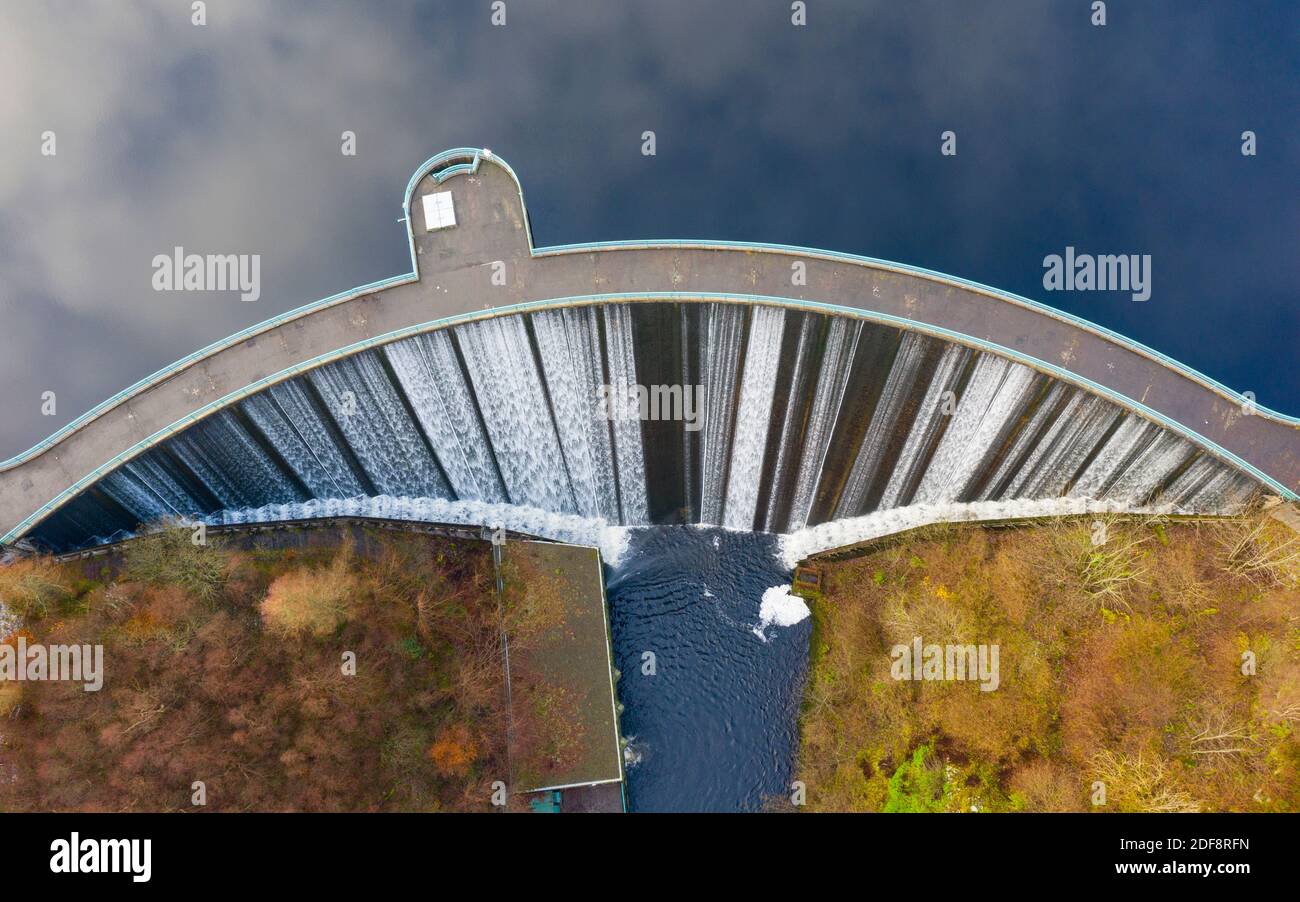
<point x="293" y="419"/>
<point x="1081" y="429"/>
<point x="426" y="368"/>
<point x="233" y="466"/>
<point x="1046" y="408"/>
<point x="934" y="414"/>
<point x="160" y="473"/>
<point x="628" y="442"/>
<point x="787" y="440"/>
<point x="568" y="341"/>
<point x="868" y="467"/>
<point x="513" y="403"/>
<point x="996" y="388"/>
<point x="374" y="420"/>
<point x="805" y="420"/>
<point x="128" y="491"/>
<point x="719" y="351"/>
<point x="753" y="417"/>
<point x="828" y="396"/>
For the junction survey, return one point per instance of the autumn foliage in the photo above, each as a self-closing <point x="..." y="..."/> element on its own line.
<point x="306" y="600"/>
<point x="225" y="664"/>
<point x="454" y="751"/>
<point x="1162" y="663"/>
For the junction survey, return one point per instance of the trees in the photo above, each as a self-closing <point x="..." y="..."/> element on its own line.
<point x="170" y="556"/>
<point x="310" y="601"/>
<point x="30" y="587"/>
<point x="454" y="751"/>
<point x="227" y="670"/>
<point x="1169" y="671"/>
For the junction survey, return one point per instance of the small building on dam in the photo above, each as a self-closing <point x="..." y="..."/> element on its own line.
<point x="562" y="390"/>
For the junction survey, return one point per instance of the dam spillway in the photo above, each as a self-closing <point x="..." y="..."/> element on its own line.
<point x="806" y="418"/>
<point x="860" y="396"/>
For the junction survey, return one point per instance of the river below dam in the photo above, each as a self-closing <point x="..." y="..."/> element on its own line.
<point x="711" y="719"/>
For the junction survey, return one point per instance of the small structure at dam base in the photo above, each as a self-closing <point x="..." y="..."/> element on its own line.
<point x="582" y="769"/>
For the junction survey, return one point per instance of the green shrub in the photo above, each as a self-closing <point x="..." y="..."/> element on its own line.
<point x="918" y="785"/>
<point x="169" y="557"/>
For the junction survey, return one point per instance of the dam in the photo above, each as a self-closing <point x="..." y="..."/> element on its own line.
<point x="834" y="390"/>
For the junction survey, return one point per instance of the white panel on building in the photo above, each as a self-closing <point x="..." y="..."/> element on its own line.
<point x="439" y="212"/>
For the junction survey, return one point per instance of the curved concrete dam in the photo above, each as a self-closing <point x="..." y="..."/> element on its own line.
<point x="756" y="388"/>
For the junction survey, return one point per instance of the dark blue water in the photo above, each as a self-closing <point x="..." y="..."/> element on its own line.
<point x="715" y="728"/>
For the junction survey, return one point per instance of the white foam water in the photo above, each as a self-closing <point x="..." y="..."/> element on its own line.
<point x="596" y="532"/>
<point x="796" y="546"/>
<point x="780" y="608"/>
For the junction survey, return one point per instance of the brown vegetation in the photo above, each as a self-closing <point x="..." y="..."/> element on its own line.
<point x="546" y="732"/>
<point x="310" y="600"/>
<point x="1121" y="664"/>
<point x="228" y="667"/>
<point x="31" y="589"/>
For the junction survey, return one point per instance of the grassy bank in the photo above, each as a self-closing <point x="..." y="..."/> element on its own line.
<point x="1157" y="669"/>
<point x="230" y="666"/>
